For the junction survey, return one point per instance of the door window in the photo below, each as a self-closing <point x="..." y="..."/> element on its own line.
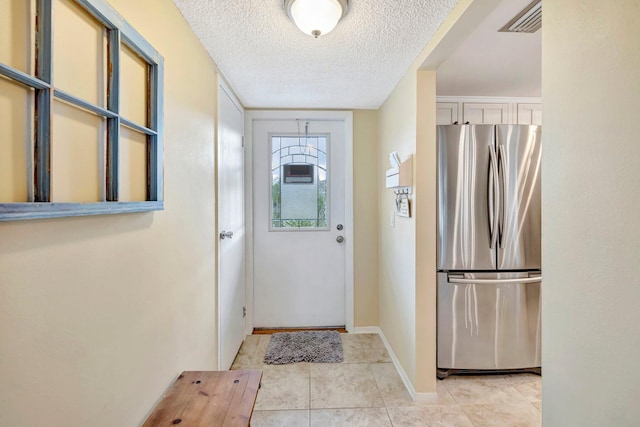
<point x="299" y="177"/>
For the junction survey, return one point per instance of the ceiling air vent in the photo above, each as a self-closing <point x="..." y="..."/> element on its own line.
<point x="527" y="21"/>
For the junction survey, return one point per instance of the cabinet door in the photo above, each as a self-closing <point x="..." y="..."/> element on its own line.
<point x="486" y="113"/>
<point x="446" y="113"/>
<point x="529" y="114"/>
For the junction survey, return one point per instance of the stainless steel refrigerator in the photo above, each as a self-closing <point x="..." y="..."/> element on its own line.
<point x="489" y="270"/>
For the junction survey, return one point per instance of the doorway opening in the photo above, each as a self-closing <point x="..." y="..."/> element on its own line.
<point x="299" y="198"/>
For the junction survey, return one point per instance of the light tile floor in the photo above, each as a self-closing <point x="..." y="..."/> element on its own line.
<point x="366" y="390"/>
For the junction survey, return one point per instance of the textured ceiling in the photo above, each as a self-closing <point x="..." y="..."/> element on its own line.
<point x="271" y="64"/>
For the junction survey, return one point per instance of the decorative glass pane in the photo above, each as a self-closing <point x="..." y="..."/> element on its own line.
<point x="290" y="142"/>
<point x="299" y="196"/>
<point x="322" y="159"/>
<point x="322" y="145"/>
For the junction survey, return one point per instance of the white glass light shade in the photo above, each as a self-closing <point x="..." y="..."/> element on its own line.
<point x="316" y="17"/>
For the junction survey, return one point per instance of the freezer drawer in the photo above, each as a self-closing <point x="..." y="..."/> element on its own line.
<point x="489" y="321"/>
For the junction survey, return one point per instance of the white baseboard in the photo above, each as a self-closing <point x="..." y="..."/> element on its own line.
<point x="367" y="330"/>
<point x="405" y="378"/>
<point x="426" y="397"/>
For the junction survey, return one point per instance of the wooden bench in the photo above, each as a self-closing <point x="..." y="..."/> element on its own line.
<point x="208" y="398"/>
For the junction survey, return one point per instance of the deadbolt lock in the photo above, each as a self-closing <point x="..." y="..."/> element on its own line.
<point x="226" y="235"/>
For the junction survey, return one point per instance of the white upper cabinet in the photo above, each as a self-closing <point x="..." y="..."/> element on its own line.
<point x="529" y="114"/>
<point x="447" y="113"/>
<point x="488" y="110"/>
<point x="486" y="113"/>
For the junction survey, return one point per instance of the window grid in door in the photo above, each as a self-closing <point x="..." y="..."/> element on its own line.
<point x="299" y="190"/>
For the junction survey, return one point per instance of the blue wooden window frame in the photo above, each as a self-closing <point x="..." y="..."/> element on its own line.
<point x="118" y="32"/>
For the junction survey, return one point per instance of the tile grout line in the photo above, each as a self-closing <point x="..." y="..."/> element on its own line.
<point x="386" y="408"/>
<point x="467" y="415"/>
<point x="388" y="416"/>
<point x="513" y="386"/>
<point x="518" y="391"/>
<point x="449" y="391"/>
<point x="523" y="396"/>
<point x="377" y="385"/>
<point x="534" y="406"/>
<point x="309" y="395"/>
<point x="253" y="356"/>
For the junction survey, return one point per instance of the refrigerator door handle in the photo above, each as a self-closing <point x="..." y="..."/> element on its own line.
<point x="503" y="202"/>
<point x="493" y="199"/>
<point x="452" y="279"/>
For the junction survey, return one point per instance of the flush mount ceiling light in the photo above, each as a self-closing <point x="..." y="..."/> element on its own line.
<point x="316" y="17"/>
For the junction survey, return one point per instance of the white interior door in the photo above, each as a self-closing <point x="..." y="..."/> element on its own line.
<point x="299" y="223"/>
<point x="231" y="231"/>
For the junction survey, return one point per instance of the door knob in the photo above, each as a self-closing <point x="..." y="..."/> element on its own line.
<point x="340" y="239"/>
<point x="226" y="235"/>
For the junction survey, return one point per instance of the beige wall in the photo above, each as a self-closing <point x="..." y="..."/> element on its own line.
<point x="591" y="201"/>
<point x="398" y="244"/>
<point x="408" y="252"/>
<point x="365" y="207"/>
<point x="99" y="314"/>
<point x="426" y="232"/>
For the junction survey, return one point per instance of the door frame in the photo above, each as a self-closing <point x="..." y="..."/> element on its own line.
<point x="224" y="89"/>
<point x="273" y="115"/>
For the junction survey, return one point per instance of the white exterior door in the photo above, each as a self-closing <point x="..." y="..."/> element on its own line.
<point x="231" y="230"/>
<point x="299" y="223"/>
